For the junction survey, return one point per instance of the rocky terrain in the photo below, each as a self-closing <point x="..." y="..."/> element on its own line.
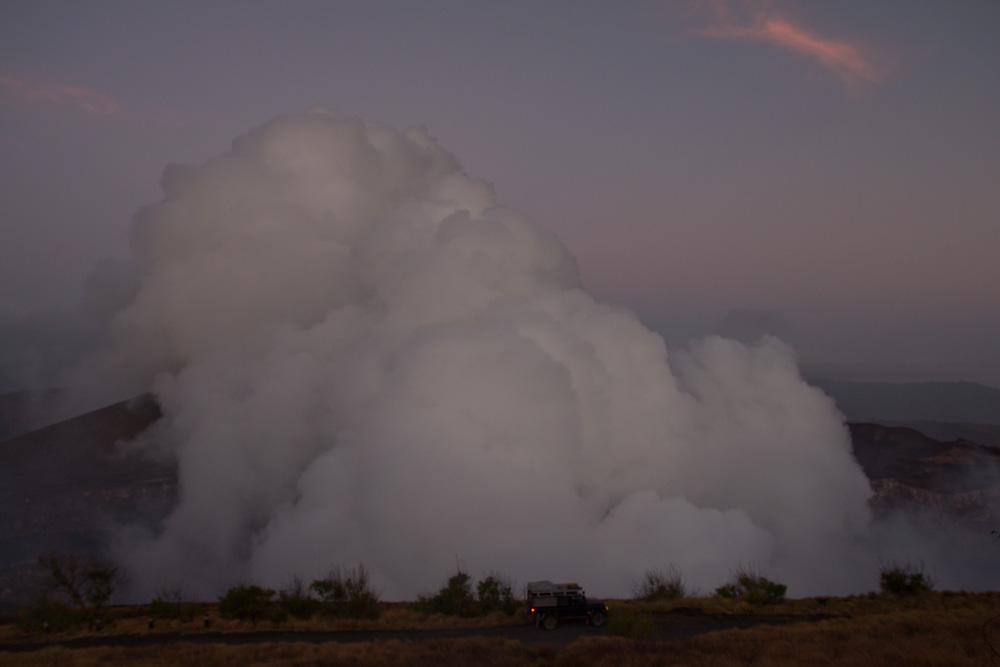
<point x="910" y="470"/>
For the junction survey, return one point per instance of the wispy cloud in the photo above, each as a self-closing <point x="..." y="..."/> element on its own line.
<point x="853" y="63"/>
<point x="57" y="94"/>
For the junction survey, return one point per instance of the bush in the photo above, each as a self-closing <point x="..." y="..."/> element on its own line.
<point x="168" y="605"/>
<point x="247" y="603"/>
<point x="347" y="593"/>
<point x="362" y="597"/>
<point x="904" y="580"/>
<point x="631" y="624"/>
<point x="453" y="599"/>
<point x="294" y="600"/>
<point x="331" y="591"/>
<point x="49" y="616"/>
<point x="496" y="593"/>
<point x="749" y="586"/>
<point x="658" y="584"/>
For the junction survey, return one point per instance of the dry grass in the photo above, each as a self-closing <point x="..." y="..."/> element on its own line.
<point x="921" y="638"/>
<point x="395" y="616"/>
<point x="855" y="605"/>
<point x="474" y="652"/>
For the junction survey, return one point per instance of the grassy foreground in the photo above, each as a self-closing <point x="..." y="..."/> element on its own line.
<point x="931" y="629"/>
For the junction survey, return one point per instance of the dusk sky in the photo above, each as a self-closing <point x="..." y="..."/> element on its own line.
<point x="828" y="172"/>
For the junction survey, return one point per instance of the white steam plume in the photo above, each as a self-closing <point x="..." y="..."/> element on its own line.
<point x="361" y="356"/>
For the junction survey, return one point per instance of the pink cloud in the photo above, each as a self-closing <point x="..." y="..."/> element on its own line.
<point x="852" y="63"/>
<point x="78" y="98"/>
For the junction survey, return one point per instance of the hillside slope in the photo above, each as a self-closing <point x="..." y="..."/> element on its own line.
<point x="62" y="484"/>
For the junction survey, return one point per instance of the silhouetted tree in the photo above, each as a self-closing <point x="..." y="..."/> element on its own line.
<point x="88" y="586"/>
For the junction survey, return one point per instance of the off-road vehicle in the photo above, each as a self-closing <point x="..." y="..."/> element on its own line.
<point x="550" y="604"/>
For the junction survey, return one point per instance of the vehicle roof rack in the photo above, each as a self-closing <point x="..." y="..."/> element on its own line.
<point x="546" y="587"/>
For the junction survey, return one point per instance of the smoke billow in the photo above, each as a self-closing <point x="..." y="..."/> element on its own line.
<point x="361" y="356"/>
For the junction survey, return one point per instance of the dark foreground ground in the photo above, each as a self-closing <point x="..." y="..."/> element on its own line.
<point x="670" y="626"/>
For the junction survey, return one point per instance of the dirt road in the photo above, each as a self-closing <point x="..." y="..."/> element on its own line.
<point x="678" y="624"/>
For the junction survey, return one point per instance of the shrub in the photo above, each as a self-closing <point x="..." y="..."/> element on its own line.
<point x="496" y="593"/>
<point x="659" y="584"/>
<point x="631" y="624"/>
<point x="347" y="593"/>
<point x="331" y="591"/>
<point x="295" y="600"/>
<point x="169" y="605"/>
<point x="49" y="616"/>
<point x="453" y="599"/>
<point x="362" y="597"/>
<point x="247" y="603"/>
<point x="750" y="586"/>
<point x="904" y="580"/>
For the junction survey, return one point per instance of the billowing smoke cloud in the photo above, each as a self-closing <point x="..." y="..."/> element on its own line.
<point x="361" y="356"/>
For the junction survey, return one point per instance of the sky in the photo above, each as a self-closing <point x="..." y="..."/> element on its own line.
<point x="824" y="172"/>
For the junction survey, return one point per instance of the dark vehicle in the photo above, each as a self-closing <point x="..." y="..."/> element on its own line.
<point x="550" y="604"/>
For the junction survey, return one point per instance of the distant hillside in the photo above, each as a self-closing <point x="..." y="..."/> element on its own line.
<point x="61" y="485"/>
<point x="23" y="411"/>
<point x="885" y="402"/>
<point x="984" y="434"/>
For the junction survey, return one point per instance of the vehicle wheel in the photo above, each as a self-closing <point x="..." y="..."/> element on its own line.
<point x="597" y="619"/>
<point x="550" y="622"/>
